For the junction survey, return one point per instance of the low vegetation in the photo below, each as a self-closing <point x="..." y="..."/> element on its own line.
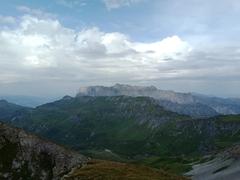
<point x="107" y="170"/>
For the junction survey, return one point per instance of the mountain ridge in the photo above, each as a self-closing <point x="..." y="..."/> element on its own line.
<point x="199" y="106"/>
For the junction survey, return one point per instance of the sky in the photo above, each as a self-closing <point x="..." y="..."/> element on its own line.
<point x="53" y="47"/>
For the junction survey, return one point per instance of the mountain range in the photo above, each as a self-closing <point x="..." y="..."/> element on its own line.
<point x="28" y="101"/>
<point x="132" y="124"/>
<point x="192" y="104"/>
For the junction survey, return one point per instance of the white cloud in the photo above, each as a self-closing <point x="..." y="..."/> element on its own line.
<point x="114" y="4"/>
<point x="44" y="49"/>
<point x="116" y="43"/>
<point x="169" y="48"/>
<point x="7" y="20"/>
<point x="35" y="12"/>
<point x="71" y="3"/>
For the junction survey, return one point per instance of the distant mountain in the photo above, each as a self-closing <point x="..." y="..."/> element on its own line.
<point x="28" y="101"/>
<point x="10" y="111"/>
<point x="127" y="90"/>
<point x="195" y="110"/>
<point x="221" y="105"/>
<point x="185" y="103"/>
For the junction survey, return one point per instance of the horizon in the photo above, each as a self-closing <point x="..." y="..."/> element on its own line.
<point x="73" y="94"/>
<point x="52" y="48"/>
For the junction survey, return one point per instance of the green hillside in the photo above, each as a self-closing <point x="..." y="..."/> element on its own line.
<point x="129" y="129"/>
<point x="125" y="125"/>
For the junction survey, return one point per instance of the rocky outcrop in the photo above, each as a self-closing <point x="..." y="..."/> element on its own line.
<point x="224" y="166"/>
<point x="25" y="156"/>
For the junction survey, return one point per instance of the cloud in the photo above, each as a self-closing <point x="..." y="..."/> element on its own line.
<point x="42" y="46"/>
<point x="71" y="3"/>
<point x="35" y="12"/>
<point x="41" y="50"/>
<point x="114" y="4"/>
<point x="7" y="20"/>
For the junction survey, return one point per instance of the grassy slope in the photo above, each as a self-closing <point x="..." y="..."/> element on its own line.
<point x="107" y="170"/>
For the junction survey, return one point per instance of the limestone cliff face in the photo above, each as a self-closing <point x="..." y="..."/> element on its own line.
<point x="195" y="105"/>
<point x="25" y="156"/>
<point x="183" y="103"/>
<point x="127" y="90"/>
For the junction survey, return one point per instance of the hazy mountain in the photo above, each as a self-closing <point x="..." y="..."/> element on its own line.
<point x="10" y="111"/>
<point x="28" y="101"/>
<point x="195" y="110"/>
<point x="184" y="103"/>
<point x="221" y="105"/>
<point x="127" y="90"/>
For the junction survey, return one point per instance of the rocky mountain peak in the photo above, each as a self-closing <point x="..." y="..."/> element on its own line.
<point x="128" y="90"/>
<point x="193" y="104"/>
<point x="128" y="87"/>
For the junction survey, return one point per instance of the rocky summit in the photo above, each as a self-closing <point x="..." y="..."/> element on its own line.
<point x="195" y="105"/>
<point x="128" y="90"/>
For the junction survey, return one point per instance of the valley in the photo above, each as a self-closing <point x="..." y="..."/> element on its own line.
<point x="26" y="156"/>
